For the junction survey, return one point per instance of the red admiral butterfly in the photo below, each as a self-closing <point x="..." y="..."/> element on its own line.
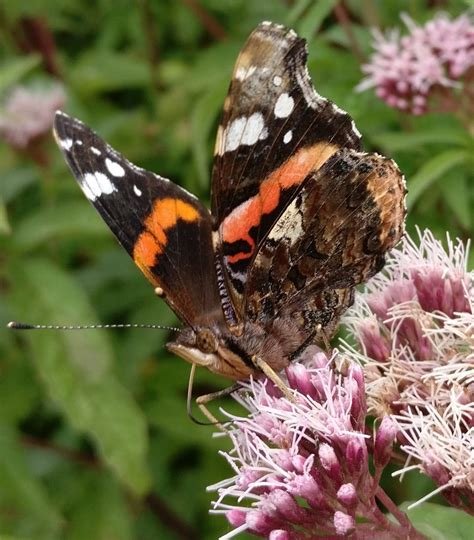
<point x="300" y="215"/>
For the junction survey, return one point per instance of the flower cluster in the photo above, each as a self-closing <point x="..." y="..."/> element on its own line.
<point x="302" y="467"/>
<point x="28" y="114"/>
<point x="414" y="329"/>
<point x="431" y="60"/>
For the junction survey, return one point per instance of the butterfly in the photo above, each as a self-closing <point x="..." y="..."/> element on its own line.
<point x="300" y="215"/>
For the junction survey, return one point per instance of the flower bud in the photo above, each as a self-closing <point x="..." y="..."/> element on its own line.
<point x="279" y="534"/>
<point x="347" y="495"/>
<point x="343" y="523"/>
<point x="330" y="462"/>
<point x="384" y="437"/>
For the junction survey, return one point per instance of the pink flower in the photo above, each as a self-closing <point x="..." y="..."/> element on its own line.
<point x="28" y="114"/>
<point x="407" y="71"/>
<point x="414" y="332"/>
<point x="302" y="468"/>
<point x="440" y="440"/>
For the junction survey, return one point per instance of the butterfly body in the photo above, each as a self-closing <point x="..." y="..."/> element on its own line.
<point x="300" y="215"/>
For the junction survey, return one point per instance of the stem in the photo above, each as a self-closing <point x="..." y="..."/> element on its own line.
<point x="81" y="458"/>
<point x="392" y="507"/>
<point x="38" y="37"/>
<point x="149" y="29"/>
<point x="371" y="13"/>
<point x="212" y="25"/>
<point x="170" y="519"/>
<point x="400" y="516"/>
<point x="343" y="19"/>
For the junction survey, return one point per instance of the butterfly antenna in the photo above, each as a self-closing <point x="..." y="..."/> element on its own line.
<point x="14" y="325"/>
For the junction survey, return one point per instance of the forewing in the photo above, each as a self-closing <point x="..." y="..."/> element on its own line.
<point x="275" y="129"/>
<point x="165" y="229"/>
<point x="333" y="235"/>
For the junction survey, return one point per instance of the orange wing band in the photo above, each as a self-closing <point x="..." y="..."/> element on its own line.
<point x="236" y="226"/>
<point x="152" y="241"/>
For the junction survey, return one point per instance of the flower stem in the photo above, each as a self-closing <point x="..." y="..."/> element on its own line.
<point x="210" y="23"/>
<point x="400" y="516"/>
<point x="343" y="19"/>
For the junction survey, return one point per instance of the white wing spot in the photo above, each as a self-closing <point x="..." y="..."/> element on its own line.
<point x="240" y="73"/>
<point x="114" y="168"/>
<point x="244" y="131"/>
<point x="66" y="144"/>
<point x="289" y="225"/>
<point x="287" y="137"/>
<point x="277" y="80"/>
<point x="87" y="192"/>
<point x="251" y="70"/>
<point x="219" y="141"/>
<point x="138" y="192"/>
<point x="96" y="184"/>
<point x="95" y="151"/>
<point x="105" y="185"/>
<point x="283" y="106"/>
<point x="243" y="73"/>
<point x="78" y="142"/>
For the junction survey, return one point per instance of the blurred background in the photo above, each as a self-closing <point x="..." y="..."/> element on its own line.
<point x="95" y="442"/>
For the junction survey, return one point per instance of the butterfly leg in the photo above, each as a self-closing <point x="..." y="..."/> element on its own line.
<point x="201" y="401"/>
<point x="324" y="338"/>
<point x="273" y="376"/>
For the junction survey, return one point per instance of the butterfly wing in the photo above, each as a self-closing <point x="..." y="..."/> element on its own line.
<point x="332" y="236"/>
<point x="275" y="129"/>
<point x="165" y="229"/>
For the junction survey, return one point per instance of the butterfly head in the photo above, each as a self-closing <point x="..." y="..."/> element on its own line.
<point x="213" y="348"/>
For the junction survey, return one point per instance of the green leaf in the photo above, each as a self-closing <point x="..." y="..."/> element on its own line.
<point x="456" y="192"/>
<point x="18" y="386"/>
<point x="204" y="115"/>
<point x="101" y="513"/>
<point x="412" y="141"/>
<point x="15" y="180"/>
<point x="314" y="18"/>
<point x="296" y="11"/>
<point x="441" y="522"/>
<point x="211" y="68"/>
<point x="75" y="368"/>
<point x="14" y="70"/>
<point x="70" y="219"/>
<point x="432" y="171"/>
<point x="20" y="490"/>
<point x="105" y="71"/>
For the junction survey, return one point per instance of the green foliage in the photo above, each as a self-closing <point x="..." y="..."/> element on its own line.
<point x="439" y="522"/>
<point x="15" y="69"/>
<point x="34" y="516"/>
<point x="93" y="423"/>
<point x="75" y="369"/>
